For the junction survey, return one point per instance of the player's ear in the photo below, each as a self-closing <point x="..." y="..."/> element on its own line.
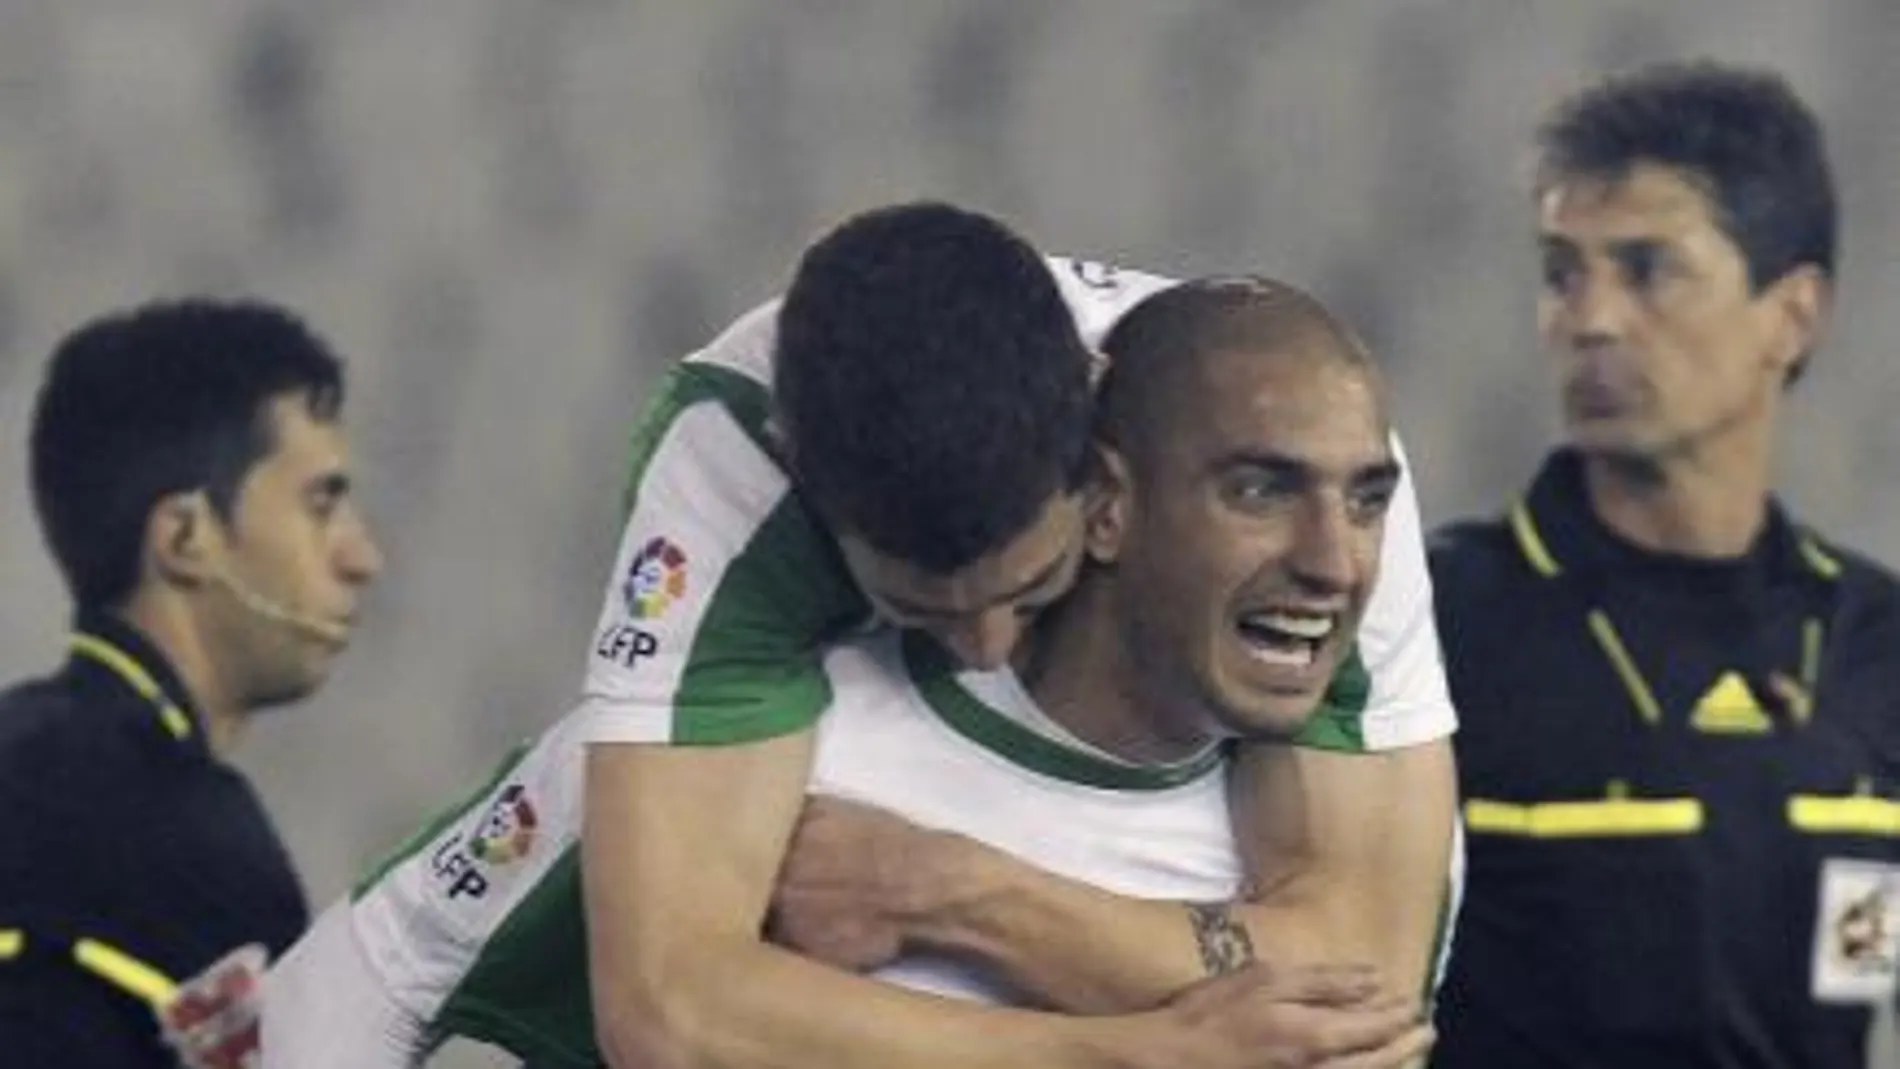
<point x="178" y="536"/>
<point x="1106" y="504"/>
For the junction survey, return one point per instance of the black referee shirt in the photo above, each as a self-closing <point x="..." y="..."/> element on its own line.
<point x="129" y="856"/>
<point x="1680" y="782"/>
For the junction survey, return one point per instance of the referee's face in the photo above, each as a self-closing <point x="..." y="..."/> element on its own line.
<point x="1252" y="534"/>
<point x="296" y="559"/>
<point x="1663" y="345"/>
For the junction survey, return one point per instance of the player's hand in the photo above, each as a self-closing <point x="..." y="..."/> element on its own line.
<point x="211" y="1021"/>
<point x="851" y="877"/>
<point x="1299" y="1018"/>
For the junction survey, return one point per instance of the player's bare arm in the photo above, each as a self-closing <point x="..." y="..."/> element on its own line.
<point x="682" y="979"/>
<point x="1348" y="854"/>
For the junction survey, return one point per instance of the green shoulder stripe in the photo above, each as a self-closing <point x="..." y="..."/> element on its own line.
<point x="686" y="384"/>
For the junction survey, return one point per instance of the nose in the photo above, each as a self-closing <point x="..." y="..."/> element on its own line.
<point x="358" y="558"/>
<point x="1593" y="311"/>
<point x="984" y="640"/>
<point x="1325" y="555"/>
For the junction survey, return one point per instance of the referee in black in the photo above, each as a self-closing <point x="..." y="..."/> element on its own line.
<point x="1680" y="707"/>
<point x="191" y="477"/>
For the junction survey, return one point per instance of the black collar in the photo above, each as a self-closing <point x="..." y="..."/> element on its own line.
<point x="110" y="653"/>
<point x="1558" y="533"/>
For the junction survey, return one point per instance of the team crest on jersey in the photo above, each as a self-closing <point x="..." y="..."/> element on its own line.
<point x="1857" y="932"/>
<point x="655" y="579"/>
<point x="507" y="832"/>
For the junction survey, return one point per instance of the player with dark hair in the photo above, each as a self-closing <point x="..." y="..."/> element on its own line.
<point x="901" y="441"/>
<point x="1681" y="738"/>
<point x="191" y="476"/>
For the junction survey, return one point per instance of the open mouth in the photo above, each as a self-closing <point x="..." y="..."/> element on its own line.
<point x="1287" y="638"/>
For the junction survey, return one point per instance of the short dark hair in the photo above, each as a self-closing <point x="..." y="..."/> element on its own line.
<point x="1161" y="337"/>
<point x="157" y="400"/>
<point x="1742" y="133"/>
<point x="931" y="382"/>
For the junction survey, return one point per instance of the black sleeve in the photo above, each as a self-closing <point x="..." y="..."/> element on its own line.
<point x="56" y="1018"/>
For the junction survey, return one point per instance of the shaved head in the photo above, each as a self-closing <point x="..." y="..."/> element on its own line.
<point x="1158" y="353"/>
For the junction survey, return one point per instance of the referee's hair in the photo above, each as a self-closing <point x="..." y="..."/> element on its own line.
<point x="1740" y="133"/>
<point x="932" y="387"/>
<point x="156" y="400"/>
<point x="1152" y="348"/>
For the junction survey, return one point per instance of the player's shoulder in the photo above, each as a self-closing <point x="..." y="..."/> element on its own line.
<point x="714" y="407"/>
<point x="870" y="660"/>
<point x="745" y="347"/>
<point x="1099" y="293"/>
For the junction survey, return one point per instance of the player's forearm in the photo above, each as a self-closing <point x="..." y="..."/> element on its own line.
<point x="1084" y="950"/>
<point x="759" y="1007"/>
<point x="1364" y="853"/>
<point x="1352" y="872"/>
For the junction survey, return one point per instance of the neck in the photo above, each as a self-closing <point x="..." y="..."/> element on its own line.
<point x="1078" y="669"/>
<point x="1709" y="500"/>
<point x="175" y="633"/>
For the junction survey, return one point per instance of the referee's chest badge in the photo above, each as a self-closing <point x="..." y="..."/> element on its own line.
<point x="1857" y="932"/>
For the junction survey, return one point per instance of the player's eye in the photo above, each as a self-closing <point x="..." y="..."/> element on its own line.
<point x="1256" y="491"/>
<point x="1369" y="504"/>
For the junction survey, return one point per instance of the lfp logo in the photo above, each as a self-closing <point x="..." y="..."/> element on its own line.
<point x="655" y="579"/>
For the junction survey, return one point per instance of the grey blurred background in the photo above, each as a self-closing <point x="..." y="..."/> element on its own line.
<point x="509" y="214"/>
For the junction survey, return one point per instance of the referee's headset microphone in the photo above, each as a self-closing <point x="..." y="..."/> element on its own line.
<point x="259" y="604"/>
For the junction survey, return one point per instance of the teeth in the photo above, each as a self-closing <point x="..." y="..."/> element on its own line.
<point x="1299" y="656"/>
<point x="1311" y="628"/>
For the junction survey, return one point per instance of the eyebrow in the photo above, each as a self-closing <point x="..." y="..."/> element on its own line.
<point x="1035" y="582"/>
<point x="1383" y="471"/>
<point x="1551" y="242"/>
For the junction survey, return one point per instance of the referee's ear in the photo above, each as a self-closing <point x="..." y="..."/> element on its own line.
<point x="178" y="539"/>
<point x="1804" y="297"/>
<point x="1106" y="504"/>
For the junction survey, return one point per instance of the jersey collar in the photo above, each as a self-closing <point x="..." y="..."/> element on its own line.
<point x="106" y="651"/>
<point x="1558" y="533"/>
<point x="935" y="676"/>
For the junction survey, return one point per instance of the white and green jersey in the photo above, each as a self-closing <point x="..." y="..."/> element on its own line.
<point x="477" y="929"/>
<point x="726" y="589"/>
<point x="973" y="754"/>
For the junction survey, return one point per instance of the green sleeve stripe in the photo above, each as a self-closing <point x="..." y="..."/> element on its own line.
<point x="527" y="991"/>
<point x="754" y="668"/>
<point x="1338" y="724"/>
<point x="741" y="685"/>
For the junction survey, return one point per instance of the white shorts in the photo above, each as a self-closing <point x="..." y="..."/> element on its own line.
<point x="325" y="1008"/>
